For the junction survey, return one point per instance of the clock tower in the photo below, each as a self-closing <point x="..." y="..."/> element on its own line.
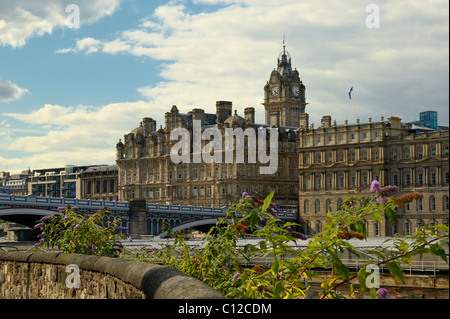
<point x="284" y="94"/>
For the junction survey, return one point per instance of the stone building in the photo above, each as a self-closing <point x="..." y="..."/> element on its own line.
<point x="335" y="160"/>
<point x="100" y="183"/>
<point x="317" y="167"/>
<point x="146" y="170"/>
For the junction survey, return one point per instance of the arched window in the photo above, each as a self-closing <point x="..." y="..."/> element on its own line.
<point x="318" y="227"/>
<point x="432" y="203"/>
<point x="328" y="204"/>
<point x="445" y="203"/>
<point x="317" y="206"/>
<point x="339" y="203"/>
<point x="306" y="206"/>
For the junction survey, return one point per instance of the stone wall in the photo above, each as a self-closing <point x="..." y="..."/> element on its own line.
<point x="43" y="275"/>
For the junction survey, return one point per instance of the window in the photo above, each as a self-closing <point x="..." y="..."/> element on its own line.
<point x="352" y="136"/>
<point x="406" y="207"/>
<point x="318" y="158"/>
<point x="408" y="179"/>
<point x="306" y="206"/>
<point x="318" y="182"/>
<point x="329" y="182"/>
<point x="341" y="156"/>
<point x="446" y="150"/>
<point x="328" y="204"/>
<point x="420" y="179"/>
<point x="352" y="182"/>
<point x="194" y="191"/>
<point x="433" y="178"/>
<point x="419" y="204"/>
<point x="339" y="203"/>
<point x="330" y="157"/>
<point x="318" y="227"/>
<point x="446" y="178"/>
<point x="432" y="203"/>
<point x="407" y="154"/>
<point x="202" y="191"/>
<point x="307" y="186"/>
<point x="376" y="229"/>
<point x="341" y="182"/>
<point x="395" y="180"/>
<point x="208" y="191"/>
<point x="306" y="159"/>
<point x="433" y="151"/>
<point x="376" y="155"/>
<point x="407" y="228"/>
<point x="317" y="206"/>
<point x="419" y="152"/>
<point x="364" y="155"/>
<point x="394" y="154"/>
<point x="352" y="156"/>
<point x="445" y="203"/>
<point x="375" y="134"/>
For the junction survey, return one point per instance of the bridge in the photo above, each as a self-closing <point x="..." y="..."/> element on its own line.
<point x="141" y="218"/>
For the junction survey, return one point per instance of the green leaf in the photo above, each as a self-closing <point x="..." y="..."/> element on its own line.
<point x="390" y="214"/>
<point x="279" y="288"/>
<point x="396" y="270"/>
<point x="267" y="201"/>
<point x="437" y="250"/>
<point x="340" y="268"/>
<point x="376" y="217"/>
<point x="362" y="279"/>
<point x="275" y="265"/>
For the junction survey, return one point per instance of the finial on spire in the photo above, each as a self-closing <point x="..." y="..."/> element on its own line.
<point x="284" y="45"/>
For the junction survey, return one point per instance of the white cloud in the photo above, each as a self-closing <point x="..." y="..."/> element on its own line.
<point x="10" y="91"/>
<point x="23" y="19"/>
<point x="228" y="54"/>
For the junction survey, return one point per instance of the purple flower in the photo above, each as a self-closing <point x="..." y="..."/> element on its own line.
<point x="382" y="200"/>
<point x="93" y="248"/>
<point x="390" y="189"/>
<point x="236" y="276"/>
<point x="375" y="187"/>
<point x="76" y="226"/>
<point x="275" y="207"/>
<point x="246" y="195"/>
<point x="225" y="268"/>
<point x="382" y="293"/>
<point x="39" y="225"/>
<point x="85" y="246"/>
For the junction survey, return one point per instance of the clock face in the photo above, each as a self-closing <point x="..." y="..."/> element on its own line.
<point x="296" y="90"/>
<point x="274" y="90"/>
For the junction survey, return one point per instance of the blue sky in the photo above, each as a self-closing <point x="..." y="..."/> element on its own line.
<point x="67" y="95"/>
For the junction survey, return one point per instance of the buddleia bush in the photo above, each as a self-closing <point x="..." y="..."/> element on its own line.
<point x="235" y="270"/>
<point x="71" y="232"/>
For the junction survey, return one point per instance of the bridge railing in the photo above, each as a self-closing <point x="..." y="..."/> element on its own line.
<point x="62" y="202"/>
<point x="115" y="205"/>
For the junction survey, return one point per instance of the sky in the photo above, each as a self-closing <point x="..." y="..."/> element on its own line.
<point x="69" y="92"/>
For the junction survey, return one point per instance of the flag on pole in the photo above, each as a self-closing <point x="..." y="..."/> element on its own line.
<point x="350" y="93"/>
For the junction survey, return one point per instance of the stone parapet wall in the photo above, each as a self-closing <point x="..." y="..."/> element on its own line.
<point x="25" y="275"/>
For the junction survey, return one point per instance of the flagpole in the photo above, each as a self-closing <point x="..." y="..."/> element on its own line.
<point x="353" y="105"/>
